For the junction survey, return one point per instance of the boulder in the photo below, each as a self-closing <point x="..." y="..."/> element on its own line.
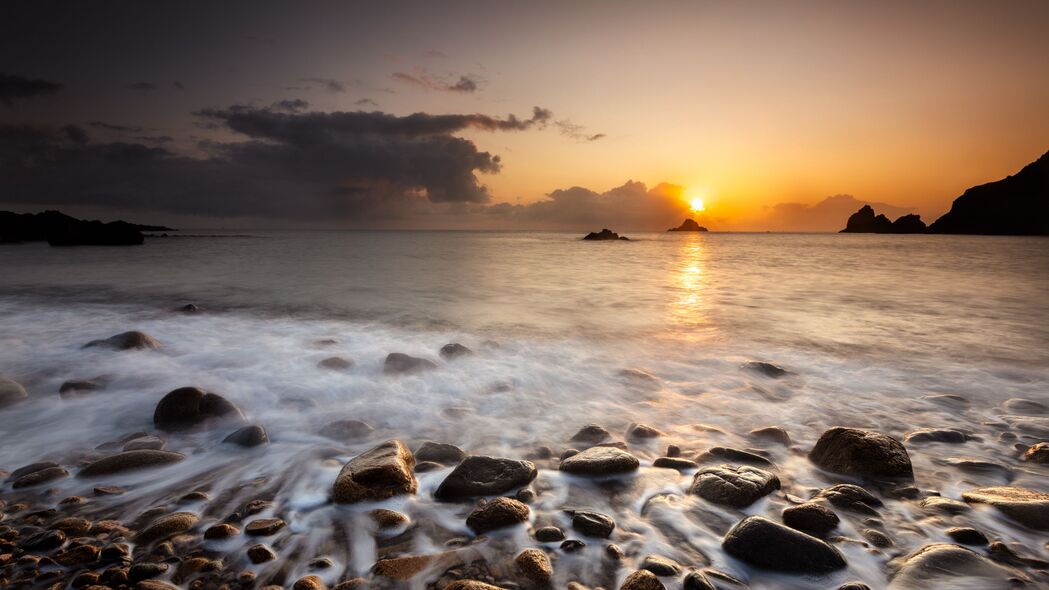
<point x="592" y="524"/>
<point x="252" y="435"/>
<point x="166" y="527"/>
<point x="766" y="544"/>
<point x="811" y="518"/>
<point x="129" y="461"/>
<point x="770" y="434"/>
<point x="145" y="443"/>
<point x="480" y="475"/>
<point x="11" y="392"/>
<point x="591" y="434"/>
<point x="454" y="350"/>
<point x="661" y="566"/>
<point x="730" y="455"/>
<point x="534" y="564"/>
<point x="735" y="486"/>
<point x="695" y="580"/>
<point x="851" y="497"/>
<point x="346" y="430"/>
<point x="132" y="340"/>
<point x="600" y="461"/>
<point x="442" y="453"/>
<point x="605" y="234"/>
<point x="382" y="472"/>
<point x="221" y="531"/>
<point x="264" y="527"/>
<point x="942" y="566"/>
<point x="1026" y="407"/>
<point x="642" y="580"/>
<point x="940" y="435"/>
<point x="764" y="369"/>
<point x="496" y="514"/>
<point x="470" y="585"/>
<point x="967" y="536"/>
<point x="941" y="505"/>
<point x="862" y="453"/>
<point x="549" y="534"/>
<point x="81" y="386"/>
<point x="1025" y="506"/>
<point x="398" y="363"/>
<point x="1038" y="453"/>
<point x="642" y="432"/>
<point x="335" y="363"/>
<point x="40" y="476"/>
<point x="675" y="463"/>
<point x="190" y="407"/>
<point x="260" y="553"/>
<point x="688" y="225"/>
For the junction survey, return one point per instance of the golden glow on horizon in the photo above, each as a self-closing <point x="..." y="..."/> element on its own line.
<point x="696" y="205"/>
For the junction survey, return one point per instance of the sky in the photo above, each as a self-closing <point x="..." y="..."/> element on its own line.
<point x="783" y="116"/>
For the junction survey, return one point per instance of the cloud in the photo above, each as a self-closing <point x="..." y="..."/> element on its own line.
<point x="178" y="85"/>
<point x="365" y="102"/>
<point x="329" y="84"/>
<point x="141" y="86"/>
<point x="424" y="79"/>
<point x="291" y="106"/>
<point x="577" y="132"/>
<point x="155" y="138"/>
<point x="18" y="88"/>
<point x="114" y="127"/>
<point x="354" y="166"/>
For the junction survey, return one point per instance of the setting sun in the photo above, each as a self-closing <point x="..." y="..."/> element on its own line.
<point x="696" y="205"/>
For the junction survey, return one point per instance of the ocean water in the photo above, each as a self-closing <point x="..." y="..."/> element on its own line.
<point x="872" y="329"/>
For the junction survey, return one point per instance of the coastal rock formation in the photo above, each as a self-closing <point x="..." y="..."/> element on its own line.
<point x="605" y="234"/>
<point x="132" y="340"/>
<point x="600" y="461"/>
<point x="189" y="407"/>
<point x="688" y="225"/>
<point x="398" y="363"/>
<point x="942" y="566"/>
<point x="737" y="487"/>
<point x="862" y="453"/>
<point x="865" y="221"/>
<point x="382" y="472"/>
<point x="11" y="392"/>
<point x="481" y="475"/>
<point x="1025" y="506"/>
<point x="763" y="543"/>
<point x="1016" y="205"/>
<point x="59" y="229"/>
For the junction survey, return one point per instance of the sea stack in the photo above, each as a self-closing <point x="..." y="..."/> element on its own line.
<point x="688" y="225"/>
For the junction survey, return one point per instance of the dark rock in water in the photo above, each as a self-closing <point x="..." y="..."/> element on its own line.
<point x="572" y="545"/>
<point x="1015" y="205"/>
<point x="642" y="580"/>
<point x="695" y="580"/>
<point x="811" y="518"/>
<point x="967" y="536"/>
<point x="470" y="585"/>
<point x="641" y="432"/>
<point x="862" y="453"/>
<point x="425" y="466"/>
<point x="1026" y="407"/>
<point x="189" y="308"/>
<point x="264" y="527"/>
<point x="591" y="434"/>
<point x="865" y="221"/>
<point x="59" y="229"/>
<point x="382" y="472"/>
<point x="454" y="350"/>
<point x="605" y="234"/>
<point x="31" y="468"/>
<point x="763" y="368"/>
<point x="592" y="524"/>
<point x="130" y="460"/>
<point x="688" y="225"/>
<point x="248" y="436"/>
<point x="42" y="541"/>
<point x="1038" y="453"/>
<point x="126" y="341"/>
<point x="81" y="386"/>
<point x="942" y="435"/>
<point x="850" y="497"/>
<point x="535" y="565"/>
<point x="675" y="463"/>
<point x="1025" y="506"/>
<point x="661" y="566"/>
<point x="166" y="527"/>
<point x="766" y="544"/>
<point x="190" y="407"/>
<point x="908" y="224"/>
<point x="729" y="455"/>
<point x="496" y="514"/>
<point x="221" y="531"/>
<point x="978" y="466"/>
<point x="942" y="566"/>
<point x="346" y="430"/>
<point x="1003" y="553"/>
<point x="145" y="443"/>
<point x="854" y="586"/>
<point x="146" y="571"/>
<point x="600" y="461"/>
<point x="11" y="392"/>
<point x="948" y="400"/>
<point x="737" y="487"/>
<point x="335" y="363"/>
<point x="439" y="453"/>
<point x="549" y="534"/>
<point x="480" y="475"/>
<point x="260" y="553"/>
<point x="399" y="363"/>
<point x="40" y="476"/>
<point x="772" y="434"/>
<point x="941" y="505"/>
<point x="877" y="538"/>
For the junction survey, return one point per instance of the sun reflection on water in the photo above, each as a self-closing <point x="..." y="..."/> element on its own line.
<point x="688" y="310"/>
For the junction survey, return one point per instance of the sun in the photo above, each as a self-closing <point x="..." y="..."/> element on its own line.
<point x="696" y="205"/>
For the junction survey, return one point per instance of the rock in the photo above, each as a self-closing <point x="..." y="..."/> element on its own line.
<point x="1026" y="407"/>
<point x="942" y="566"/>
<point x="387" y="519"/>
<point x="592" y="524"/>
<point x="346" y="430"/>
<point x="688" y="225"/>
<point x="851" y="497"/>
<point x="729" y="455"/>
<point x="399" y="363"/>
<point x="480" y="475"/>
<point x="763" y="543"/>
<point x="40" y="476"/>
<point x="152" y="585"/>
<point x="977" y="466"/>
<point x="42" y="541"/>
<point x="264" y="527"/>
<point x="948" y="400"/>
<point x="967" y="536"/>
<point x="940" y="435"/>
<point x="811" y="518"/>
<point x="133" y="340"/>
<point x="406" y="567"/>
<point x="81" y="386"/>
<point x="600" y="461"/>
<point x="382" y="472"/>
<point x="11" y="392"/>
<point x="454" y="350"/>
<point x="130" y="460"/>
<point x="695" y="580"/>
<point x="675" y="463"/>
<point x="309" y="583"/>
<point x="496" y="514"/>
<point x="190" y="407"/>
<point x="221" y="531"/>
<point x="876" y="538"/>
<point x="145" y="571"/>
<point x="941" y="505"/>
<point x="591" y="434"/>
<point x="862" y="453"/>
<point x="1038" y="453"/>
<point x="470" y="585"/>
<point x="764" y="369"/>
<point x="148" y="443"/>
<point x="735" y="486"/>
<point x="424" y="466"/>
<point x="1025" y="506"/>
<point x="166" y="527"/>
<point x="854" y="586"/>
<point x="335" y="363"/>
<point x="642" y="432"/>
<point x="549" y="534"/>
<point x="260" y="553"/>
<point x="248" y="436"/>
<point x="865" y="222"/>
<point x="535" y="565"/>
<point x="605" y="234"/>
<point x="771" y="434"/>
<point x="661" y="566"/>
<point x="642" y="580"/>
<point x="188" y="308"/>
<point x="442" y="453"/>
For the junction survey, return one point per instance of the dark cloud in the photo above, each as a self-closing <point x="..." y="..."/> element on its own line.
<point x="365" y="102"/>
<point x="14" y="88"/>
<point x="155" y="138"/>
<point x="291" y="106"/>
<point x="329" y="84"/>
<point x="141" y="86"/>
<point x="577" y="132"/>
<point x="114" y="127"/>
<point x="178" y="85"/>
<point x="425" y="79"/>
<point x="76" y="135"/>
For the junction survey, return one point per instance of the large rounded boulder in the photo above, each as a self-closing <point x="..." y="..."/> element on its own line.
<point x="943" y="566"/>
<point x="11" y="392"/>
<point x="600" y="461"/>
<point x="1025" y="506"/>
<point x="737" y="487"/>
<point x="862" y="453"/>
<point x="766" y="544"/>
<point x="132" y="340"/>
<point x="480" y="475"/>
<point x="377" y="474"/>
<point x="190" y="407"/>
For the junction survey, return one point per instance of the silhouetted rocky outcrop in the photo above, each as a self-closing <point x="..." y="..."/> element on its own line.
<point x="605" y="234"/>
<point x="865" y="221"/>
<point x="59" y="229"/>
<point x="1016" y="205"/>
<point x="688" y="225"/>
